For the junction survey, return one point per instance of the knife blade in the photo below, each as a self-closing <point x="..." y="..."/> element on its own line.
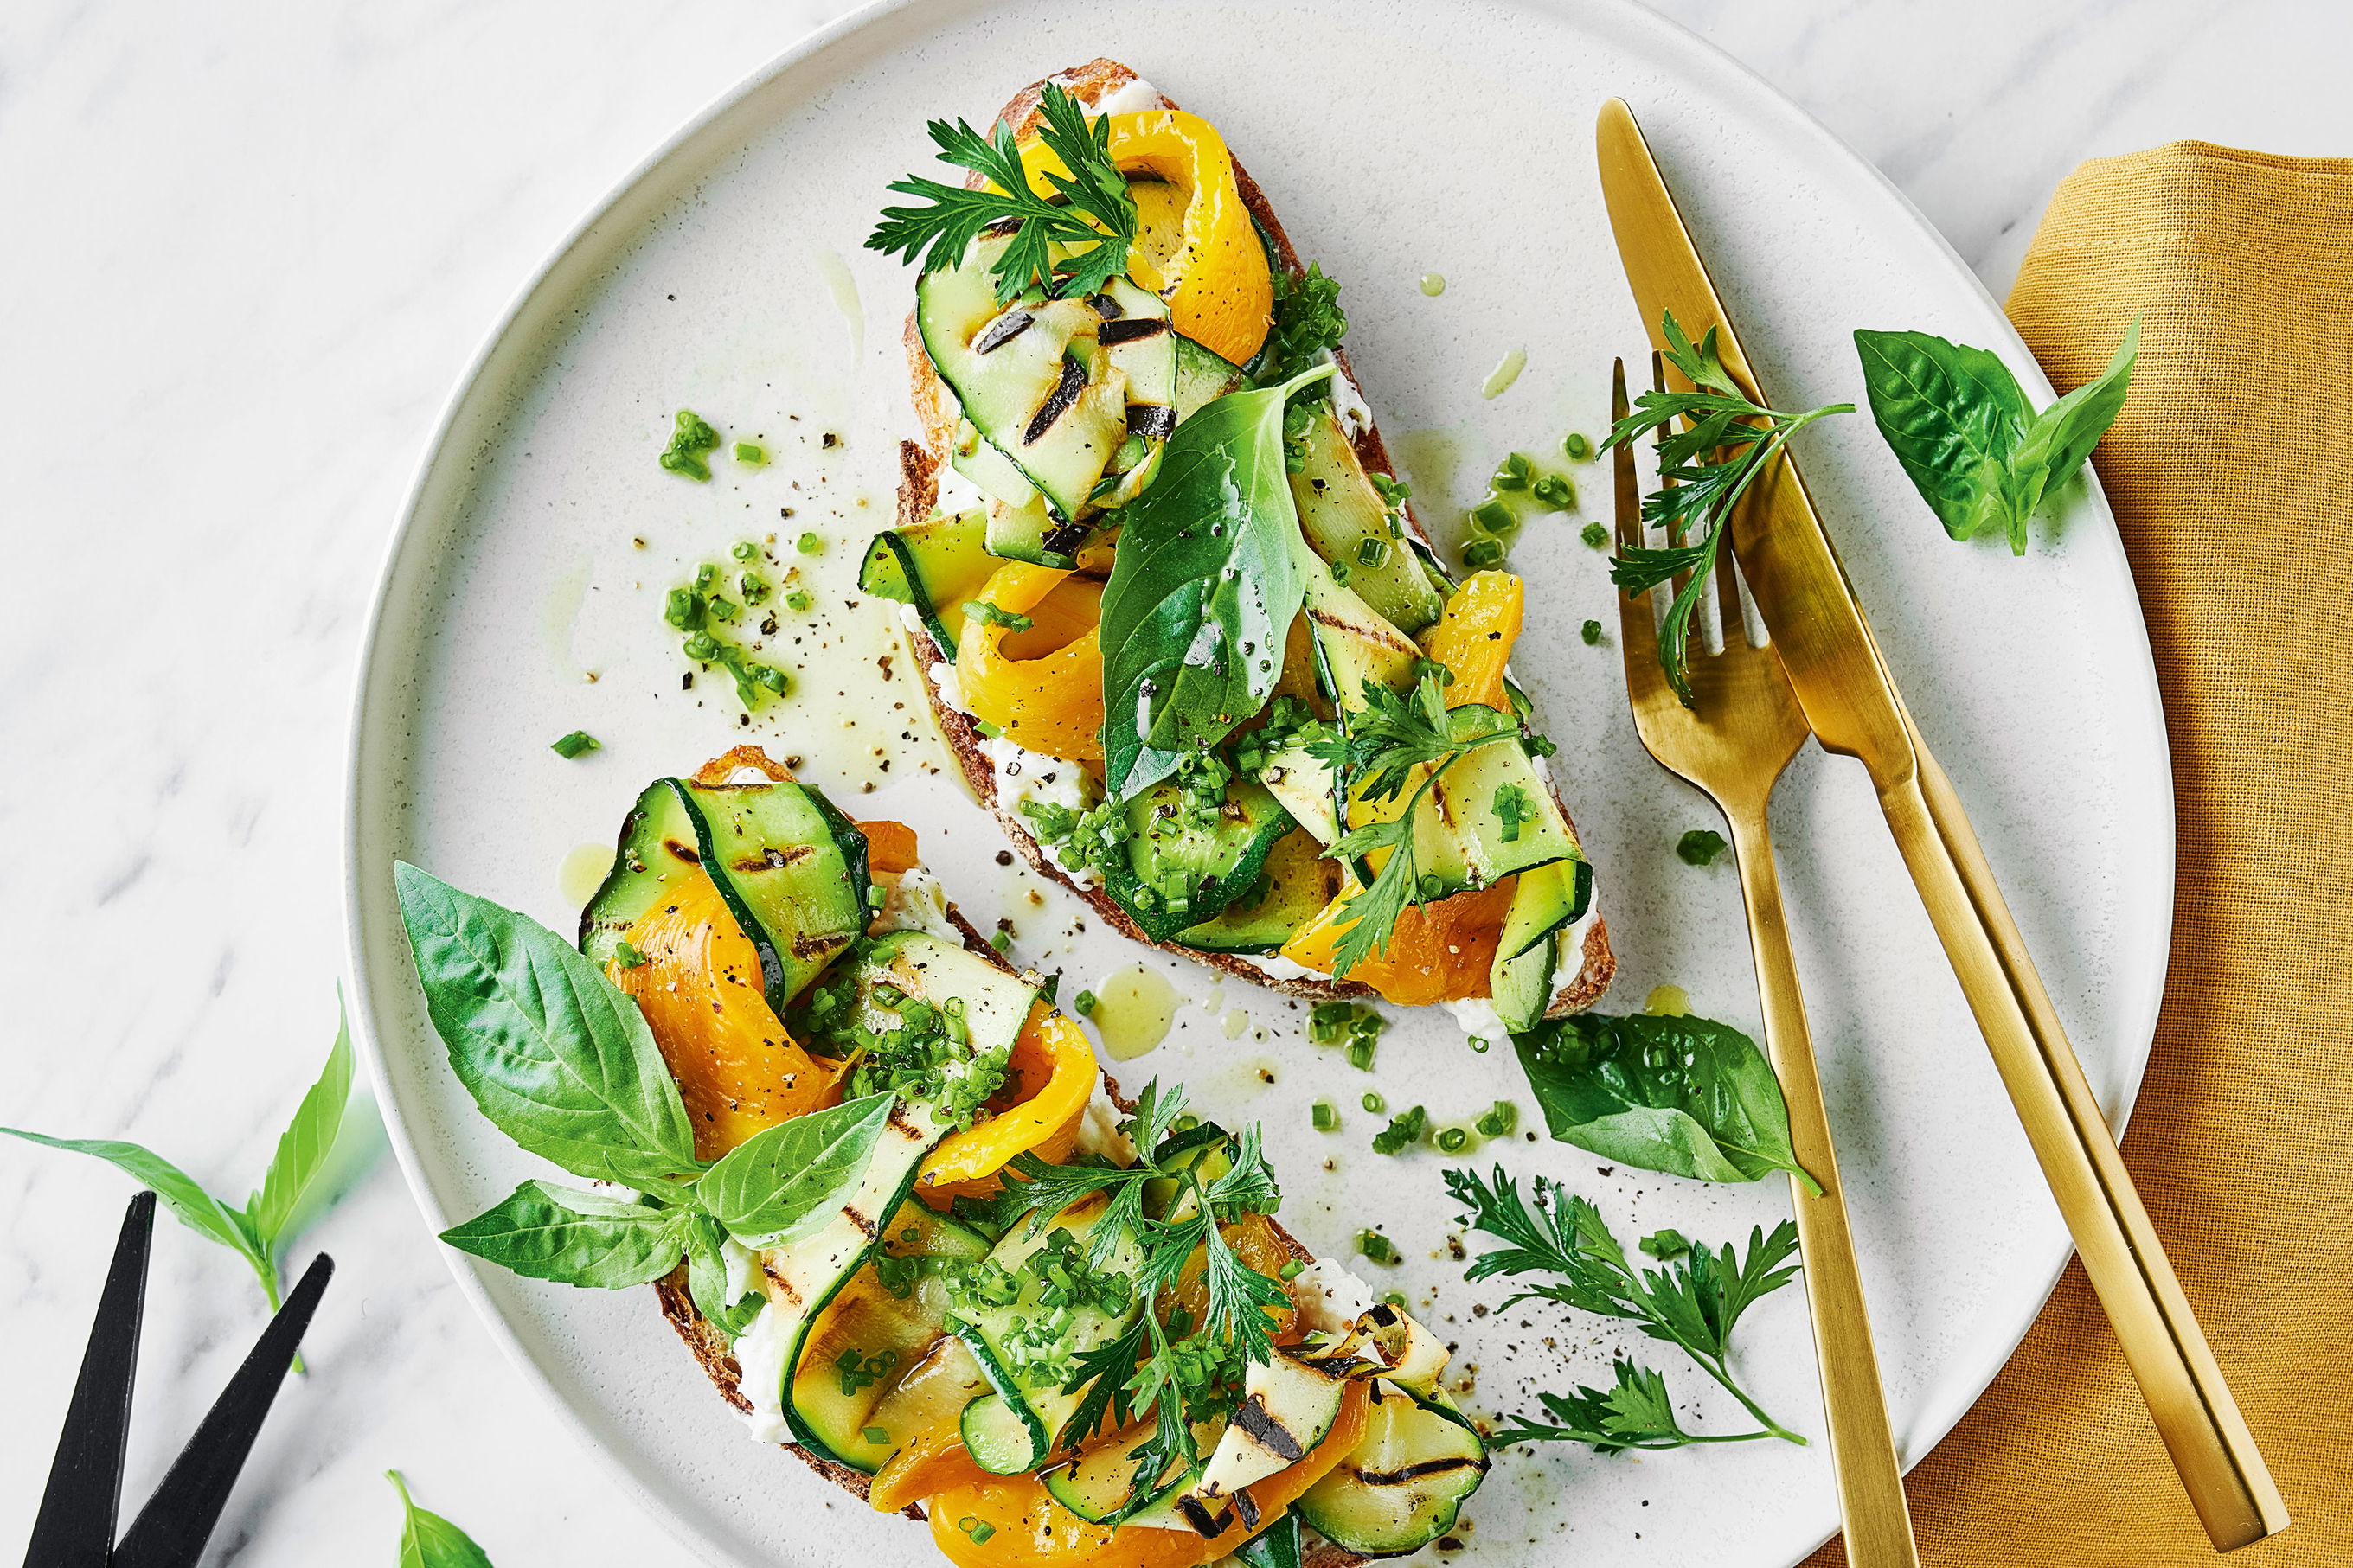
<point x="1818" y="627"/>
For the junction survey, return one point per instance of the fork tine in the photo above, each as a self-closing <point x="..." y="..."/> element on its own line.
<point x="1638" y="627"/>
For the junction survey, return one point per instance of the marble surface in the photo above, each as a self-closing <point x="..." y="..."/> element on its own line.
<point x="250" y="249"/>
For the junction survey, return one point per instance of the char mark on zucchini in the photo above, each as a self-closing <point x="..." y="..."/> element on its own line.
<point x="1251" y="1418"/>
<point x="1057" y="403"/>
<point x="1002" y="331"/>
<point x="1152" y="421"/>
<point x="774" y="859"/>
<point x="1415" y="1472"/>
<point x="1130" y="331"/>
<point x="1107" y="307"/>
<point x="685" y="852"/>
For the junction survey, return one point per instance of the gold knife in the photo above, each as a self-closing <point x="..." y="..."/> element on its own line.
<point x="1842" y="683"/>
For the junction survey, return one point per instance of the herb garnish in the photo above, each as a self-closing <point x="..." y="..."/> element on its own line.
<point x="1308" y="323"/>
<point x="1693" y="1303"/>
<point x="1397" y="736"/>
<point x="1958" y="420"/>
<point x="272" y="1216"/>
<point x="1164" y="1364"/>
<point x="1699" y="846"/>
<point x="691" y="439"/>
<point x="429" y="1541"/>
<point x="1090" y="208"/>
<point x="1703" y="469"/>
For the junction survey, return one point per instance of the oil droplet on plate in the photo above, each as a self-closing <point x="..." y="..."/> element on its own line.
<point x="583" y="872"/>
<point x="1433" y="284"/>
<point x="1667" y="1001"/>
<point x="1234" y="1023"/>
<point x="1133" y="1009"/>
<point x="844" y="290"/>
<point x="1507" y="371"/>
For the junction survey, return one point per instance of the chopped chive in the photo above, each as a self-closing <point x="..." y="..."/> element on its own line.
<point x="876" y="1436"/>
<point x="572" y="746"/>
<point x="1593" y="533"/>
<point x="1340" y="573"/>
<point x="1451" y="1140"/>
<point x="1360" y="1054"/>
<point x="682" y="608"/>
<point x="1404" y="1129"/>
<point x="1325" y="1119"/>
<point x="744" y="550"/>
<point x="702" y="646"/>
<point x="1083" y="1003"/>
<point x="875" y="896"/>
<point x="754" y="587"/>
<point x="1494" y="516"/>
<point x="747" y="452"/>
<point x="1591" y="632"/>
<point x="1554" y="491"/>
<point x="1395" y="1299"/>
<point x="1575" y="448"/>
<point x="799" y="599"/>
<point x="725" y="609"/>
<point x="1513" y="474"/>
<point x="1373" y="1102"/>
<point x="1292" y="1270"/>
<point x="1372" y="551"/>
<point x="1478" y="1044"/>
<point x="809" y="544"/>
<point x="981" y="1532"/>
<point x="630" y="957"/>
<point x="1498" y="1121"/>
<point x="1372" y="1244"/>
<point x="1481" y="553"/>
<point x="1001" y="941"/>
<point x="706" y="577"/>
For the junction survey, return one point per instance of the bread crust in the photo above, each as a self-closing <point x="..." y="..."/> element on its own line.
<point x="919" y="466"/>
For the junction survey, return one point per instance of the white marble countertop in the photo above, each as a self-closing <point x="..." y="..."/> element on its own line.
<point x="250" y="250"/>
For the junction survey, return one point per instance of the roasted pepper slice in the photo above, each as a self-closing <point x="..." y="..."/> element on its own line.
<point x="1195" y="248"/>
<point x="1049" y="700"/>
<point x="1049" y="1077"/>
<point x="699" y="989"/>
<point x="1439" y="952"/>
<point x="1475" y="636"/>
<point x="890" y="846"/>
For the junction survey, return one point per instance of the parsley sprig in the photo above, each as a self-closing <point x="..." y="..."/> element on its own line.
<point x="1703" y="469"/>
<point x="1090" y="211"/>
<point x="1166" y="1365"/>
<point x="1693" y="1302"/>
<point x="1397" y="734"/>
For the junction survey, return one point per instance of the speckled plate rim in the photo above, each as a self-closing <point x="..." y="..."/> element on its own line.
<point x="476" y="403"/>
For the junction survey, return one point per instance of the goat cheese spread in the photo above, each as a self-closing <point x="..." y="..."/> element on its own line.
<point x="760" y="1358"/>
<point x="1026" y="776"/>
<point x="1328" y="1297"/>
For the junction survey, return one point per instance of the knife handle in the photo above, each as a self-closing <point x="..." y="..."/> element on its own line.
<point x="1873" y="1515"/>
<point x="2228" y="1482"/>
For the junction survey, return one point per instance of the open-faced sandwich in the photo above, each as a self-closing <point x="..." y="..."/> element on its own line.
<point x="905" y="1223"/>
<point x="1178" y="619"/>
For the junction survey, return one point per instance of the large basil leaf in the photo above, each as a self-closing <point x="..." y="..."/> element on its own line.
<point x="1203" y="589"/>
<point x="706" y="1279"/>
<point x="1687" y="1096"/>
<point x="303" y="1147"/>
<point x="2063" y="434"/>
<point x="1954" y="416"/>
<point x="198" y="1209"/>
<point x="575" y="1238"/>
<point x="556" y="1055"/>
<point x="785" y="1181"/>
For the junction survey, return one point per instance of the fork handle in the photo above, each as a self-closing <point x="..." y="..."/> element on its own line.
<point x="2228" y="1482"/>
<point x="1872" y="1507"/>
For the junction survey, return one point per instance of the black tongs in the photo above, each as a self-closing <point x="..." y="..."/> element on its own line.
<point x="76" y="1527"/>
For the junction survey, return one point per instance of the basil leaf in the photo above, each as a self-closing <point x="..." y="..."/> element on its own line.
<point x="303" y="1147"/>
<point x="1203" y="589"/>
<point x="197" y="1209"/>
<point x="547" y="1232"/>
<point x="556" y="1055"/>
<point x="428" y="1540"/>
<point x="1687" y="1096"/>
<point x="2063" y="434"/>
<point x="706" y="1279"/>
<point x="1954" y="416"/>
<point x="785" y="1181"/>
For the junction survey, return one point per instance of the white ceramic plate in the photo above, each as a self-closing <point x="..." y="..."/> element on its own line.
<point x="1395" y="139"/>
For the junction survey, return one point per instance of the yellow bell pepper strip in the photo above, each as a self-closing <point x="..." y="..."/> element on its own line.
<point x="1049" y="1077"/>
<point x="1195" y="248"/>
<point x="1475" y="636"/>
<point x="1050" y="703"/>
<point x="932" y="1461"/>
<point x="699" y="990"/>
<point x="890" y="846"/>
<point x="1021" y="1526"/>
<point x="1438" y="952"/>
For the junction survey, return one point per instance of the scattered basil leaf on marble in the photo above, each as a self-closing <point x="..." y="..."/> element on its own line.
<point x="429" y="1541"/>
<point x="546" y="1232"/>
<point x="785" y="1181"/>
<point x="1693" y="1303"/>
<point x="556" y="1055"/>
<point x="1203" y="589"/>
<point x="275" y="1215"/>
<point x="1687" y="1096"/>
<point x="1699" y="846"/>
<point x="1959" y="422"/>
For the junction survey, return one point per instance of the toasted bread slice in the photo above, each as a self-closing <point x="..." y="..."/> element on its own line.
<point x="920" y="466"/>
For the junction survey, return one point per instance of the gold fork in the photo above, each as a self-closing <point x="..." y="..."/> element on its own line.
<point x="1733" y="746"/>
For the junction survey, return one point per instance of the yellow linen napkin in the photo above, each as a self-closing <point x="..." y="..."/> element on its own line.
<point x="2231" y="475"/>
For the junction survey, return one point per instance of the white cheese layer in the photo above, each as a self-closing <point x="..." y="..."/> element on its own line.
<point x="760" y="1354"/>
<point x="1275" y="966"/>
<point x="919" y="902"/>
<point x="1137" y="97"/>
<point x="1348" y="405"/>
<point x="1328" y="1297"/>
<point x="1026" y="776"/>
<point x="958" y="493"/>
<point x="1478" y="1019"/>
<point x="943" y="678"/>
